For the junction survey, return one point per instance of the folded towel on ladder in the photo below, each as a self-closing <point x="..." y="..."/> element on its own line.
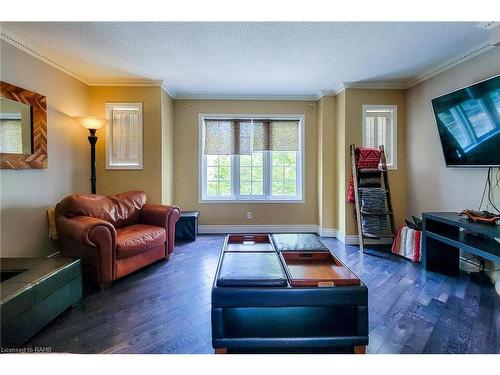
<point x="370" y="178"/>
<point x="373" y="201"/>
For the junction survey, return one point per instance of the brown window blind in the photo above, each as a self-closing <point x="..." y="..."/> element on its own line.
<point x="239" y="137"/>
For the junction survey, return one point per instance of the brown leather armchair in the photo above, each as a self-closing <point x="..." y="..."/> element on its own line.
<point x="114" y="235"/>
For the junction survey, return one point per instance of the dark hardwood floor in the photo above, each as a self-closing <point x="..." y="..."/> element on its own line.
<point x="165" y="308"/>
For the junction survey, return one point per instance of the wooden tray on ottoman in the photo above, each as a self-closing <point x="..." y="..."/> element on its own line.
<point x="248" y="242"/>
<point x="316" y="269"/>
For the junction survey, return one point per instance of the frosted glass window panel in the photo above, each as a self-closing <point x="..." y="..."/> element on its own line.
<point x="124" y="136"/>
<point x="11" y="136"/>
<point x="15" y="127"/>
<point x="242" y="137"/>
<point x="219" y="137"/>
<point x="124" y="131"/>
<point x="379" y="128"/>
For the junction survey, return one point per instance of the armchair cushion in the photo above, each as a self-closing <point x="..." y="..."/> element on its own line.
<point x="138" y="238"/>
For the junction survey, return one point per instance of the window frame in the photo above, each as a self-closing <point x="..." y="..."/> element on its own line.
<point x="393" y="133"/>
<point x="109" y="139"/>
<point x="235" y="196"/>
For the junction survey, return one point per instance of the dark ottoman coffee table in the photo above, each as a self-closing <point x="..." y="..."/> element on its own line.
<point x="286" y="293"/>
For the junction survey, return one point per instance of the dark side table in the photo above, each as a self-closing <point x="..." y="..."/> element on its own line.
<point x="445" y="233"/>
<point x="186" y="228"/>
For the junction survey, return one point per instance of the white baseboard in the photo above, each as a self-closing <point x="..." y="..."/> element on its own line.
<point x="327" y="232"/>
<point x="350" y="239"/>
<point x="222" y="229"/>
<point x="353" y="239"/>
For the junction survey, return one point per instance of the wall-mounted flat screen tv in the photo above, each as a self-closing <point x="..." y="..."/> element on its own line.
<point x="468" y="121"/>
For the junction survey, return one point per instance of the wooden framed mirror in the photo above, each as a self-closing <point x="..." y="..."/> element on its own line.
<point x="23" y="128"/>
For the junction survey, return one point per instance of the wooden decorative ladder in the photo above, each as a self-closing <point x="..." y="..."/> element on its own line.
<point x="357" y="205"/>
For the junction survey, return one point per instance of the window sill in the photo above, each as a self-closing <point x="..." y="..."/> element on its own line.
<point x="252" y="201"/>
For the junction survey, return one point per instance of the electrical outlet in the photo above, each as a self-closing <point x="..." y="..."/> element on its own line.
<point x="249" y="215"/>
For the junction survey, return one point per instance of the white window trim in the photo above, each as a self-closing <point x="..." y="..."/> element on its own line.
<point x="394" y="127"/>
<point x="202" y="197"/>
<point x="109" y="139"/>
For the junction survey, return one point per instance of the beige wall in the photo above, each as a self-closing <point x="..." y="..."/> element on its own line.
<point x="26" y="194"/>
<point x="432" y="186"/>
<point x="167" y="149"/>
<point x="327" y="187"/>
<point x="340" y="163"/>
<point x="354" y="100"/>
<point x="149" y="178"/>
<point x="186" y="164"/>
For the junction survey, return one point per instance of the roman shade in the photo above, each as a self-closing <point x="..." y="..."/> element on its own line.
<point x="242" y="137"/>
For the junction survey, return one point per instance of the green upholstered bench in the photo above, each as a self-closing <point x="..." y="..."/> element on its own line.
<point x="33" y="292"/>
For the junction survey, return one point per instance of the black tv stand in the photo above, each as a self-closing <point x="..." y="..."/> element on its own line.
<point x="445" y="233"/>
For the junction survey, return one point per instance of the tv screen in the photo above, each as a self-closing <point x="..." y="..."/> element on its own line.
<point x="468" y="121"/>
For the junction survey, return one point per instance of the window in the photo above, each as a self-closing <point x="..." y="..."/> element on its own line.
<point x="124" y="136"/>
<point x="380" y="128"/>
<point x="251" y="158"/>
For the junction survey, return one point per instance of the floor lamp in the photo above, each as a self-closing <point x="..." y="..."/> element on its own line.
<point x="92" y="124"/>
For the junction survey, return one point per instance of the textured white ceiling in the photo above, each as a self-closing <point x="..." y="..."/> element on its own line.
<point x="243" y="59"/>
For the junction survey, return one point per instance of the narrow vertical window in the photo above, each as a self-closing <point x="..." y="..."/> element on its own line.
<point x="124" y="136"/>
<point x="380" y="129"/>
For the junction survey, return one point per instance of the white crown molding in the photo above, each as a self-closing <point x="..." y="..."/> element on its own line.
<point x="489" y="25"/>
<point x="334" y="92"/>
<point x="382" y="85"/>
<point x="143" y="83"/>
<point x="17" y="42"/>
<point x="388" y="85"/>
<point x="14" y="40"/>
<point x="450" y="63"/>
<point x="245" y="97"/>
<point x="168" y="90"/>
<point x="385" y="85"/>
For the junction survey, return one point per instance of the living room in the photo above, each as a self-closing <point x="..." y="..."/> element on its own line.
<point x="176" y="176"/>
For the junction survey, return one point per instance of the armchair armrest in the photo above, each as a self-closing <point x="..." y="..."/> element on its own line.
<point x="84" y="229"/>
<point x="89" y="238"/>
<point x="156" y="214"/>
<point x="162" y="216"/>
